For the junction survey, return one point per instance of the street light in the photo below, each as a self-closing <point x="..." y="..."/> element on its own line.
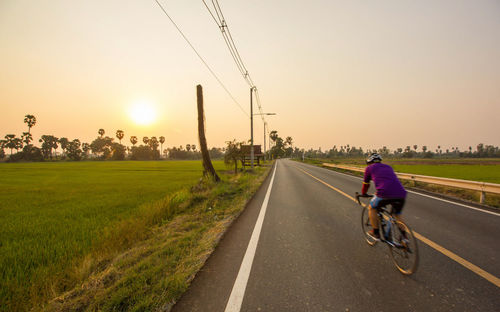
<point x="252" y="156"/>
<point x="265" y="125"/>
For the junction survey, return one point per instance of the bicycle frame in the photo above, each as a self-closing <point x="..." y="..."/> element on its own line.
<point x="396" y="234"/>
<point x="386" y="221"/>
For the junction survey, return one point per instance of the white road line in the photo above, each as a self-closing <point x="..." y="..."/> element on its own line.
<point x="454" y="203"/>
<point x="238" y="292"/>
<point x="433" y="197"/>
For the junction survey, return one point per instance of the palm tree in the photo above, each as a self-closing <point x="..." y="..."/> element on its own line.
<point x="153" y="142"/>
<point x="289" y="141"/>
<point x="18" y="143"/>
<point x="162" y="140"/>
<point x="193" y="147"/>
<point x="273" y="135"/>
<point x="145" y="140"/>
<point x="120" y="135"/>
<point x="133" y="140"/>
<point x="30" y="120"/>
<point x="415" y="147"/>
<point x="27" y="137"/>
<point x="10" y="142"/>
<point x="64" y="143"/>
<point x="2" y="146"/>
<point x="101" y="132"/>
<point x="54" y="140"/>
<point x="188" y="147"/>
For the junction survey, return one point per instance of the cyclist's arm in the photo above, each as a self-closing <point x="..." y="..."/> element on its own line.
<point x="366" y="181"/>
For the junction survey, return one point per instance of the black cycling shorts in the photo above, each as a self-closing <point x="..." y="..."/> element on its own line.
<point x="396" y="203"/>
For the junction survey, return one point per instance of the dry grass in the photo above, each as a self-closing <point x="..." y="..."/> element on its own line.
<point x="147" y="264"/>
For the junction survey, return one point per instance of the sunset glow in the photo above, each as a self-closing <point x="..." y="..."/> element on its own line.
<point x="142" y="113"/>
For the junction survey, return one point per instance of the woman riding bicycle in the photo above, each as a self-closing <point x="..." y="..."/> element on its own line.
<point x="389" y="191"/>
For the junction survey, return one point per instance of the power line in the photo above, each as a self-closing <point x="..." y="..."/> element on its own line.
<point x="201" y="58"/>
<point x="232" y="41"/>
<point x="220" y="20"/>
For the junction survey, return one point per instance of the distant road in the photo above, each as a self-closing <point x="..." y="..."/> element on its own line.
<point x="310" y="254"/>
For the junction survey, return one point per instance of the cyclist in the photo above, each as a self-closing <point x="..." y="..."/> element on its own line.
<point x="388" y="191"/>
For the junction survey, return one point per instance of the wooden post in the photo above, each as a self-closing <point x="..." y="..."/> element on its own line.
<point x="207" y="163"/>
<point x="482" y="197"/>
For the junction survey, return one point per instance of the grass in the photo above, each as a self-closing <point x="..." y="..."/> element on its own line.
<point x="483" y="173"/>
<point x="62" y="222"/>
<point x="153" y="273"/>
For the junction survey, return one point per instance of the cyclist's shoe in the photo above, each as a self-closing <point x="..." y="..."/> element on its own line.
<point x="374" y="235"/>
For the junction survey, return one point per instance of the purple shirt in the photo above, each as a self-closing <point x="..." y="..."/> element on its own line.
<point x="386" y="181"/>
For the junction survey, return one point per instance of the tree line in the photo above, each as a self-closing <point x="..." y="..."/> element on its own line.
<point x="106" y="148"/>
<point x="480" y="151"/>
<point x="101" y="148"/>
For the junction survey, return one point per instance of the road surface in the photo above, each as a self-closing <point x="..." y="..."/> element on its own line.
<point x="300" y="248"/>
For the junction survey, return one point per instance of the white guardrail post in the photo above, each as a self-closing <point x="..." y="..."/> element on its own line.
<point x="482" y="187"/>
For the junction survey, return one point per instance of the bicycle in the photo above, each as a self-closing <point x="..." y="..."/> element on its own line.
<point x="396" y="234"/>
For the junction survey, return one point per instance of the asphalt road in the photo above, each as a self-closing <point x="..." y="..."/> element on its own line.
<point x="311" y="255"/>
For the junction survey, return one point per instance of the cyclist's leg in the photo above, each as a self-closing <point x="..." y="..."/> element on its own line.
<point x="372" y="211"/>
<point x="397" y="209"/>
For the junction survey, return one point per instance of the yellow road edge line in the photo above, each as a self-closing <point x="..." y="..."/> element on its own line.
<point x="472" y="267"/>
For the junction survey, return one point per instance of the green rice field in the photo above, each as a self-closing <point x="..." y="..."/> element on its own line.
<point x="52" y="214"/>
<point x="483" y="173"/>
<point x="474" y="169"/>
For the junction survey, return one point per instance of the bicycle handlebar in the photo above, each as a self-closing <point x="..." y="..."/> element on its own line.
<point x="362" y="195"/>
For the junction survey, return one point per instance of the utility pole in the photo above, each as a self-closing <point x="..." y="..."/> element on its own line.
<point x="251" y="128"/>
<point x="265" y="124"/>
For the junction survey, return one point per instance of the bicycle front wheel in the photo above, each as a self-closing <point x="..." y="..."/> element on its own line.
<point x="404" y="253"/>
<point x="366" y="226"/>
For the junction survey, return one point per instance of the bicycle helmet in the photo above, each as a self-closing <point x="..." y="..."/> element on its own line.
<point x="374" y="157"/>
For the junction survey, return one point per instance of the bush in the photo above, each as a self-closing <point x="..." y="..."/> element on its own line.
<point x="29" y="153"/>
<point x="118" y="152"/>
<point x="141" y="152"/>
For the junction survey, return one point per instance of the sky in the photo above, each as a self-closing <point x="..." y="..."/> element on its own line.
<point x="366" y="73"/>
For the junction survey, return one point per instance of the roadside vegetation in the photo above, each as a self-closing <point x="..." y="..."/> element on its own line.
<point x="122" y="235"/>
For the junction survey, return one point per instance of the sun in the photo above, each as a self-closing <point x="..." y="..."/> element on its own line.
<point x="142" y="113"/>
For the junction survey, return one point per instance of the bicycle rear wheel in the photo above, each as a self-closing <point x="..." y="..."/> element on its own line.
<point x="366" y="226"/>
<point x="405" y="252"/>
